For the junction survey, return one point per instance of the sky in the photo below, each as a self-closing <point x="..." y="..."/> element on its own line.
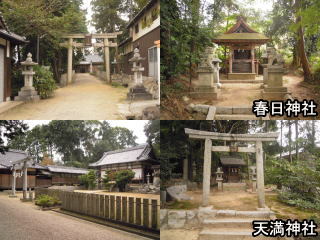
<point x="136" y="126"/>
<point x="87" y="6"/>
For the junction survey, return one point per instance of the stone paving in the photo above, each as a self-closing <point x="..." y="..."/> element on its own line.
<point x="23" y="221"/>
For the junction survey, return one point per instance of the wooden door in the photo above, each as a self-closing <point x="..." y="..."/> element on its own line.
<point x="1" y="74"/>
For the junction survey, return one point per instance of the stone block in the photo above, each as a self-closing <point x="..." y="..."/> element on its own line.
<point x="163" y="218"/>
<point x="226" y="213"/>
<point x="191" y="219"/>
<point x="200" y="108"/>
<point x="206" y="213"/>
<point x="139" y="92"/>
<point x="241" y="110"/>
<point x="241" y="76"/>
<point x="177" y="192"/>
<point x="176" y="218"/>
<point x="224" y="110"/>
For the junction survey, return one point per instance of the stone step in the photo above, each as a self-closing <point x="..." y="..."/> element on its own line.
<point x="244" y="214"/>
<point x="242" y="81"/>
<point x="238" y="117"/>
<point x="228" y="223"/>
<point x="228" y="234"/>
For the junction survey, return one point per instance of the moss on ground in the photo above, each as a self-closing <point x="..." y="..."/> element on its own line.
<point x="183" y="205"/>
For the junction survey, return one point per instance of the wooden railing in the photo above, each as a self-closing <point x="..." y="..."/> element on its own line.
<point x="135" y="211"/>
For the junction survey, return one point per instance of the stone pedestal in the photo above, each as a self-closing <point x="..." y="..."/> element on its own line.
<point x="138" y="92"/>
<point x="206" y="86"/>
<point x="28" y="92"/>
<point x="274" y="89"/>
<point x="265" y="74"/>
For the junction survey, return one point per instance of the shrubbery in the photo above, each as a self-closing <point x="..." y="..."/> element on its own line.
<point x="298" y="184"/>
<point x="121" y="178"/>
<point x="44" y="82"/>
<point x="89" y="180"/>
<point x="47" y="201"/>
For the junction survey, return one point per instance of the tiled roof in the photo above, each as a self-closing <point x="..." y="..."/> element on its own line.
<point x="231" y="160"/>
<point x="11" y="156"/>
<point x="64" y="169"/>
<point x="138" y="153"/>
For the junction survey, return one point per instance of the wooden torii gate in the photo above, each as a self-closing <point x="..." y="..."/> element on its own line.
<point x="257" y="138"/>
<point x="106" y="44"/>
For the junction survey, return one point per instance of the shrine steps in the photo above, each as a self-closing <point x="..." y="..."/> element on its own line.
<point x="232" y="225"/>
<point x="241" y="81"/>
<point x="232" y="113"/>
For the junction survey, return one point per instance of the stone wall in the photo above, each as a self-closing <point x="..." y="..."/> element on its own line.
<point x="173" y="219"/>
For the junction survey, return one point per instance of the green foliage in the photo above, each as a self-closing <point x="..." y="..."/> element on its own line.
<point x="299" y="183"/>
<point x="9" y="130"/>
<point x="123" y="177"/>
<point x="47" y="201"/>
<point x="108" y="178"/>
<point x="44" y="82"/>
<point x="89" y="180"/>
<point x="152" y="131"/>
<point x="49" y="20"/>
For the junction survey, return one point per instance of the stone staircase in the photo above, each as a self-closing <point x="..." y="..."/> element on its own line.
<point x="233" y="113"/>
<point x="231" y="225"/>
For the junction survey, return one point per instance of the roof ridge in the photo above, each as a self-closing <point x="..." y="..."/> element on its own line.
<point x="126" y="149"/>
<point x="65" y="167"/>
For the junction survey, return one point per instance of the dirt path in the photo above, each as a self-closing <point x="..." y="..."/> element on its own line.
<point x="23" y="221"/>
<point x="87" y="99"/>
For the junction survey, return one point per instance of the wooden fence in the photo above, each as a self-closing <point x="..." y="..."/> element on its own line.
<point x="135" y="211"/>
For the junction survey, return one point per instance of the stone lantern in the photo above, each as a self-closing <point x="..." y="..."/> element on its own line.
<point x="254" y="178"/>
<point x="138" y="91"/>
<point x="219" y="179"/>
<point x="28" y="92"/>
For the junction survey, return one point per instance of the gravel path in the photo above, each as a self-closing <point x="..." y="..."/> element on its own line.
<point x="87" y="99"/>
<point x="23" y="221"/>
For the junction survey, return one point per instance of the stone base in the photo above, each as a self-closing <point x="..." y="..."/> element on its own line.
<point x="13" y="196"/>
<point x="27" y="94"/>
<point x="274" y="93"/>
<point x="139" y="93"/>
<point x="241" y="76"/>
<point x="205" y="92"/>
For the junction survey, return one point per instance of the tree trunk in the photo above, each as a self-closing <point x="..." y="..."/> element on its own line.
<point x="313" y="134"/>
<point x="281" y="128"/>
<point x="296" y="140"/>
<point x="301" y="46"/>
<point x="290" y="140"/>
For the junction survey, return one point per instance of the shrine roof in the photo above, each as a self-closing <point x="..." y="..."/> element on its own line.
<point x="138" y="153"/>
<point x="241" y="32"/>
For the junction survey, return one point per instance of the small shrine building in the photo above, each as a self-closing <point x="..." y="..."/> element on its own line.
<point x="241" y="41"/>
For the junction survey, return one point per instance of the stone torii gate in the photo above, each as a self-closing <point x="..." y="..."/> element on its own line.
<point x="24" y="169"/>
<point x="106" y="44"/>
<point x="257" y="138"/>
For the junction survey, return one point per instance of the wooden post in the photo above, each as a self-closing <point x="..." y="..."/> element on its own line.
<point x="260" y="175"/>
<point x="252" y="60"/>
<point x="107" y="59"/>
<point x="185" y="169"/>
<point x="206" y="172"/>
<point x="230" y="59"/>
<point x="70" y="54"/>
